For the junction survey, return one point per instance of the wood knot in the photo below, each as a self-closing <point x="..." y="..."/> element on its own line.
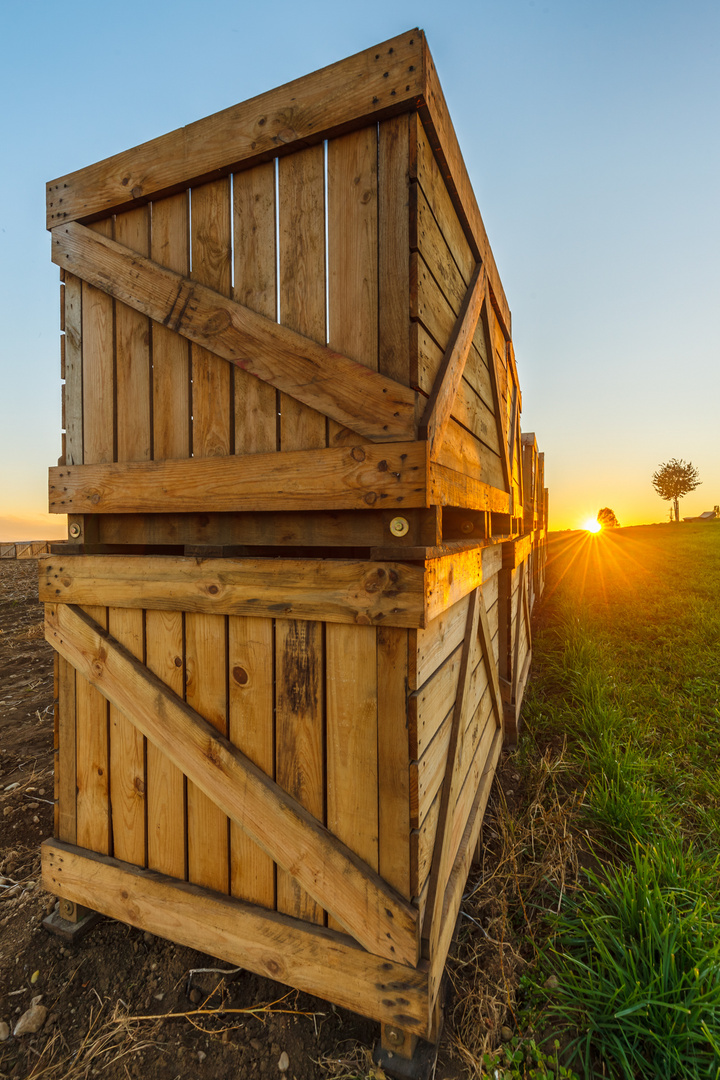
<point x="370" y="498"/>
<point x="213" y="589"/>
<point x="240" y="676"/>
<point x="357" y="453"/>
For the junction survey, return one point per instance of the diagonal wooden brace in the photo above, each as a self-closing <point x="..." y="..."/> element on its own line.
<point x="442" y="397"/>
<point x="365" y="905"/>
<point x="376" y="407"/>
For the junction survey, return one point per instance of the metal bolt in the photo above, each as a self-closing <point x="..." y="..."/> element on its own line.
<point x="75" y="530"/>
<point x="399" y="526"/>
<point x="393" y="1036"/>
<point x="467" y="526"/>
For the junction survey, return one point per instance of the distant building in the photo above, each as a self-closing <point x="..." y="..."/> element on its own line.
<point x="709" y="515"/>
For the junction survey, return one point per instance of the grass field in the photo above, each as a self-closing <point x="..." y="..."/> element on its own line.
<point x="614" y="844"/>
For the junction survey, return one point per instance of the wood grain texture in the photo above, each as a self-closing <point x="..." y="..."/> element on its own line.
<point x="166" y="810"/>
<point x="335" y="590"/>
<point x="93" y="757"/>
<point x="127" y="755"/>
<point x="310" y="958"/>
<point x="300" y="739"/>
<point x="352" y="739"/>
<point x="132" y="352"/>
<point x="66" y="769"/>
<point x="210" y="246"/>
<point x="251" y="729"/>
<point x="73" y="370"/>
<point x="170" y="247"/>
<point x="301" y="191"/>
<point x="255" y="286"/>
<point x="393" y="757"/>
<point x="98" y="378"/>
<point x="394" y="249"/>
<point x="341" y="882"/>
<point x="377" y="407"/>
<point x="206" y="694"/>
<point x="337" y="478"/>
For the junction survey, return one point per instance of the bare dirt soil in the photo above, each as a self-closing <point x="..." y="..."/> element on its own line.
<point x="110" y="996"/>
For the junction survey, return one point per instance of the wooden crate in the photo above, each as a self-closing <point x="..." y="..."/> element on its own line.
<point x="292" y="453"/>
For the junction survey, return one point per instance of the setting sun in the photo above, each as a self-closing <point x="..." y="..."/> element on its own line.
<point x="593" y="526"/>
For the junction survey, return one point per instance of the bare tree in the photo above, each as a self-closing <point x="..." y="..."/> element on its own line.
<point x="675" y="479"/>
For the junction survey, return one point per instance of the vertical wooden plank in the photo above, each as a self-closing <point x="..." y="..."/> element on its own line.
<point x="211" y="376"/>
<point x="66" y="769"/>
<point x="98" y="398"/>
<point x="255" y="286"/>
<point x="352" y="739"/>
<point x="166" y="819"/>
<point x="93" y="766"/>
<point x="393" y="758"/>
<point x="206" y="692"/>
<point x="299" y="768"/>
<point x="127" y="754"/>
<point x="73" y="371"/>
<point x="170" y="246"/>
<point x="301" y="186"/>
<point x="394" y="249"/>
<point x="132" y="352"/>
<point x="250" y="719"/>
<point x="353" y="253"/>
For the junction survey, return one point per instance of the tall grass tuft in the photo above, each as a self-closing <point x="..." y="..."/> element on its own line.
<point x="637" y="959"/>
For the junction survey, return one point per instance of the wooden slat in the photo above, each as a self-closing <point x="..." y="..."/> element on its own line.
<point x="210" y="247"/>
<point x="251" y="729"/>
<point x="206" y="694"/>
<point x="93" y="764"/>
<point x="255" y="287"/>
<point x="301" y="187"/>
<point x="166" y="812"/>
<point x="73" y="370"/>
<point x="337" y="478"/>
<point x="127" y="755"/>
<point x="393" y="773"/>
<point x="299" y="752"/>
<point x="98" y="382"/>
<point x="450" y="788"/>
<point x="393" y="249"/>
<point x="132" y="354"/>
<point x="66" y="769"/>
<point x="348" y="888"/>
<point x="170" y="246"/>
<point x="377" y="407"/>
<point x="381" y="81"/>
<point x="353" y="254"/>
<point x="352" y="739"/>
<point x="429" y="705"/>
<point x="335" y="590"/>
<point x="442" y="397"/>
<point x="490" y="664"/>
<point x="312" y="958"/>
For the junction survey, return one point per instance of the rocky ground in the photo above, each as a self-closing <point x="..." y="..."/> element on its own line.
<point x="120" y="1003"/>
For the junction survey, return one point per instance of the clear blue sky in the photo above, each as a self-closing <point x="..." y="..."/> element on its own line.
<point x="590" y="132"/>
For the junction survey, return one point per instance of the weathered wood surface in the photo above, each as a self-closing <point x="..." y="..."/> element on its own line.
<point x="338" y="879"/>
<point x="339" y="478"/>
<point x="332" y="590"/>
<point x="370" y="404"/>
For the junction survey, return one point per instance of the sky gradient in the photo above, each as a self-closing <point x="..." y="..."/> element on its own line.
<point x="590" y="133"/>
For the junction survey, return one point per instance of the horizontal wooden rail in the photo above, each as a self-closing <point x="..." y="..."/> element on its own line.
<point x="311" y="958"/>
<point x="331" y="590"/>
<point x="338" y="478"/>
<point x="375" y="407"/>
<point x="365" y="906"/>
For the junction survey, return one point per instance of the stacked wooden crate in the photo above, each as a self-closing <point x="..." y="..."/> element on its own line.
<point x="292" y="455"/>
